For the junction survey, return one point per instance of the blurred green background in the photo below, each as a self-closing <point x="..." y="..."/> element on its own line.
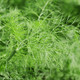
<point x="39" y="40"/>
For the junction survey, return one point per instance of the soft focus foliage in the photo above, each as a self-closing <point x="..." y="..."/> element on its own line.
<point x="39" y="40"/>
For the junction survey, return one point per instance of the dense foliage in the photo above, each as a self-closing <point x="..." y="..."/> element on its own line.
<point x="39" y="40"/>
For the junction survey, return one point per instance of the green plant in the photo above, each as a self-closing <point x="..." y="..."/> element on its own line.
<point x="39" y="40"/>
